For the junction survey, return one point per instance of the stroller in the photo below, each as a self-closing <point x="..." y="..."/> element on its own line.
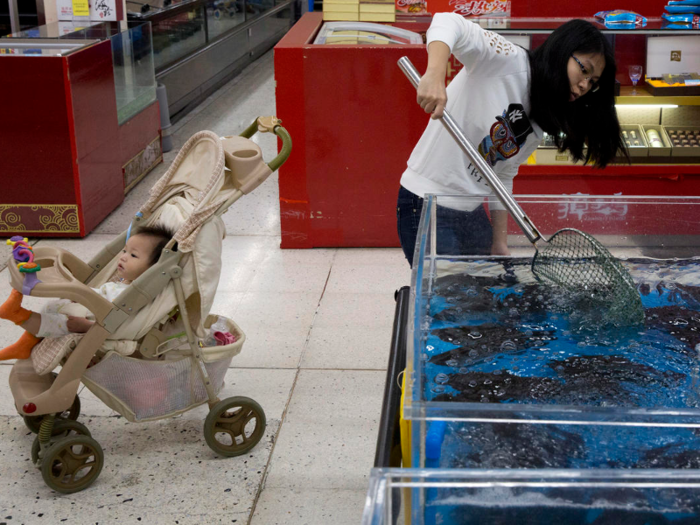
<point x="150" y="354"/>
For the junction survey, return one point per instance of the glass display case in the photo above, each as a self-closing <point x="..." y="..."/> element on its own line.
<point x="524" y="402"/>
<point x="29" y="13"/>
<point x="85" y="97"/>
<point x="507" y="371"/>
<point x="199" y="45"/>
<point x="132" y="55"/>
<point x="41" y="47"/>
<point x="181" y="27"/>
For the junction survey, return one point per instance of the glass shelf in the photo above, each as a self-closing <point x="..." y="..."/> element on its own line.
<point x="643" y="97"/>
<point x="534" y="26"/>
<point x="41" y="46"/>
<point x="547" y="25"/>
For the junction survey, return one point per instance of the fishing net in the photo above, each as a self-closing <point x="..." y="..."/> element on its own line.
<point x="579" y="263"/>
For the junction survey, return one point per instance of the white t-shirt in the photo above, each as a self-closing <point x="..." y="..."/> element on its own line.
<point x="489" y="98"/>
<point x="111" y="290"/>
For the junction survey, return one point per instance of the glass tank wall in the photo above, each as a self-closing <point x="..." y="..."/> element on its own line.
<point x="468" y="497"/>
<point x="505" y="371"/>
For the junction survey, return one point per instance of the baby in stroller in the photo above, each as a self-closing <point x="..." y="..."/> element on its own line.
<point x="140" y="253"/>
<point x="148" y="354"/>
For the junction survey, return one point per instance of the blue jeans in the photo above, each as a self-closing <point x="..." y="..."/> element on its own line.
<point x="458" y="232"/>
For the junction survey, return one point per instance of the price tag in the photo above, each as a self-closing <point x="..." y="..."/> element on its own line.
<point x="81" y="8"/>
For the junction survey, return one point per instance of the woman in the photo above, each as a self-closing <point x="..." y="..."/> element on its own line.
<point x="504" y="99"/>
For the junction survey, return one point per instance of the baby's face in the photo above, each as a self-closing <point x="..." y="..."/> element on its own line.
<point x="136" y="256"/>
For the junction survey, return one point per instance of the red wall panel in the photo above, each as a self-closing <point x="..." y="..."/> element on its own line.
<point x="549" y="9"/>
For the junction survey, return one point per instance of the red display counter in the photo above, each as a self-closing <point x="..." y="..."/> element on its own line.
<point x="354" y="120"/>
<point x="65" y="157"/>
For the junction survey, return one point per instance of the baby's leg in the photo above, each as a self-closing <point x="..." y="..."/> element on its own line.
<point x="12" y="310"/>
<point x="36" y="327"/>
<point x="21" y="349"/>
<point x="33" y="324"/>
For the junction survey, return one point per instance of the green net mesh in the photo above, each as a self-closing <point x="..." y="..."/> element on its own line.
<point x="579" y="263"/>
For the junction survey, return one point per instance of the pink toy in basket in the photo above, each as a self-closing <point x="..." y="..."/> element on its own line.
<point x="225" y="338"/>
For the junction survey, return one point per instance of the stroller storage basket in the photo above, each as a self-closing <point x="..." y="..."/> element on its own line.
<point x="142" y="390"/>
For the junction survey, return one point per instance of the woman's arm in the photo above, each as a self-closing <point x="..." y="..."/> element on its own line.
<point x="499" y="224"/>
<point x="432" y="95"/>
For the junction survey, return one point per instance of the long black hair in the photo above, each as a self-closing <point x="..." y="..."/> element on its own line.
<point x="588" y="121"/>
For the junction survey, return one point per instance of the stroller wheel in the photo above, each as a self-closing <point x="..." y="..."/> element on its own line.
<point x="234" y="426"/>
<point x="33" y="423"/>
<point x="62" y="428"/>
<point x="72" y="464"/>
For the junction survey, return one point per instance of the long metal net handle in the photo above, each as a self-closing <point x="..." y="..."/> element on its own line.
<point x="494" y="182"/>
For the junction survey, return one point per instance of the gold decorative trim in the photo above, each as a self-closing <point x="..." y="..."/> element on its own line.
<point x="39" y="218"/>
<point x="141" y="164"/>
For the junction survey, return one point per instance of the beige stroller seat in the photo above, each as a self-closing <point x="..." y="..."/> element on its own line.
<point x="150" y="348"/>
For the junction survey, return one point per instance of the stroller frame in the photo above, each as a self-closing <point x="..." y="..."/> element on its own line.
<point x="49" y="403"/>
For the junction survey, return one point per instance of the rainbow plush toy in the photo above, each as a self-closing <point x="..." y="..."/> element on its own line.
<point x="23" y="253"/>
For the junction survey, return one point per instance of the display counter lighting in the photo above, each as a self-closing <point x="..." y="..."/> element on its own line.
<point x="662" y="106"/>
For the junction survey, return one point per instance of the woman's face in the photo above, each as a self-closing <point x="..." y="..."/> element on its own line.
<point x="584" y="71"/>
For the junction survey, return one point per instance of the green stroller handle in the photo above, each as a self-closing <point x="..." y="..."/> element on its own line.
<point x="283" y="155"/>
<point x="265" y="124"/>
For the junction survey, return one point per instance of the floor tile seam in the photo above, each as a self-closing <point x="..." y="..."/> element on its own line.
<point x="321" y="369"/>
<point x="262" y="367"/>
<point x="266" y="470"/>
<point x="318" y="307"/>
<point x="327" y="486"/>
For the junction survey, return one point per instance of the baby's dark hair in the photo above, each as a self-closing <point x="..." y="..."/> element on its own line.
<point x="162" y="236"/>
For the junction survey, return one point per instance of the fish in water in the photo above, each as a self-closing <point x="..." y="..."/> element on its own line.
<point x="501" y="446"/>
<point x="481" y="387"/>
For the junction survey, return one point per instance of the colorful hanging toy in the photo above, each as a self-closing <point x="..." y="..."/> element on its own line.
<point x="24" y="255"/>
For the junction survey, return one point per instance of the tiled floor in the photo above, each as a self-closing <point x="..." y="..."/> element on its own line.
<point x="318" y="326"/>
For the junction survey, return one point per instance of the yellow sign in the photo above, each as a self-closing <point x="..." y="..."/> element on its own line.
<point x="81" y="8"/>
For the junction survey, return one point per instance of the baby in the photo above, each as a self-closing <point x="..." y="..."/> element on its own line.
<point x="142" y="251"/>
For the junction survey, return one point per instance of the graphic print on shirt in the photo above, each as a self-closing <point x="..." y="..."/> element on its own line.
<point x="507" y="134"/>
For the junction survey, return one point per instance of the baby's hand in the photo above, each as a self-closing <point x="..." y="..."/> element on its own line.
<point x="79" y="325"/>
